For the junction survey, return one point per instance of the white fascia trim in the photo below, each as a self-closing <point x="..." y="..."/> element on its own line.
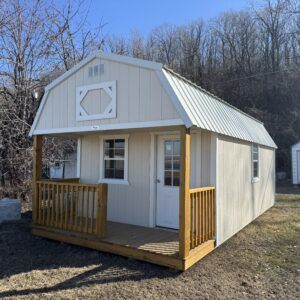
<point x="38" y="114"/>
<point x="169" y="90"/>
<point x="104" y="127"/>
<point x="131" y="61"/>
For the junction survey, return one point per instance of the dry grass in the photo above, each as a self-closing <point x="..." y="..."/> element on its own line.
<point x="261" y="261"/>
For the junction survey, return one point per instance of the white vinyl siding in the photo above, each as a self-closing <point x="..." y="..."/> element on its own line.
<point x="239" y="200"/>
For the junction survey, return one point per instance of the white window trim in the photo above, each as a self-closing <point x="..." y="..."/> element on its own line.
<point x="101" y="167"/>
<point x="255" y="179"/>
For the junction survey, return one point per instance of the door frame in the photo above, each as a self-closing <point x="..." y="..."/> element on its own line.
<point x="153" y="171"/>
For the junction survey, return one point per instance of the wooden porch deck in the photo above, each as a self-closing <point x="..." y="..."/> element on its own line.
<point x="155" y="245"/>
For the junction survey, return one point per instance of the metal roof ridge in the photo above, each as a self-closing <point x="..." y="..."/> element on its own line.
<point x="209" y="93"/>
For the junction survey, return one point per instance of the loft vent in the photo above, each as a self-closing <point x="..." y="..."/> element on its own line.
<point x="96" y="70"/>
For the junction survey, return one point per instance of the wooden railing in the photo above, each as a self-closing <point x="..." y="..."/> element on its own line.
<point x="71" y="206"/>
<point x="203" y="215"/>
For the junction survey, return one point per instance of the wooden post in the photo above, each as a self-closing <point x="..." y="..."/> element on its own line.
<point x="101" y="210"/>
<point x="36" y="173"/>
<point x="184" y="198"/>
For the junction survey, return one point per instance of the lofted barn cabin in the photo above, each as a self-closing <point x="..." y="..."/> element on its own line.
<point x="166" y="171"/>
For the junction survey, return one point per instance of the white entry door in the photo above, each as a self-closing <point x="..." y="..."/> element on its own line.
<point x="168" y="169"/>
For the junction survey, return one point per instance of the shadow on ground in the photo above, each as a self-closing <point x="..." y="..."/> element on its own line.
<point x="21" y="252"/>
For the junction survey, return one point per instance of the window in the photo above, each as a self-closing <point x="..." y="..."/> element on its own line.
<point x="114" y="154"/>
<point x="172" y="163"/>
<point x="114" y="164"/>
<point x="255" y="162"/>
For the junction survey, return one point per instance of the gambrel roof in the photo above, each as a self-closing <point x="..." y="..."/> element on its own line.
<point x="196" y="106"/>
<point x="209" y="112"/>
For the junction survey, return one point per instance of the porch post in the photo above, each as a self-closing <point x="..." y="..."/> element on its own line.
<point x="36" y="172"/>
<point x="184" y="198"/>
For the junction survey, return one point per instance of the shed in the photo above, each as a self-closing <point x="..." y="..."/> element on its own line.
<point x="166" y="171"/>
<point x="295" y="152"/>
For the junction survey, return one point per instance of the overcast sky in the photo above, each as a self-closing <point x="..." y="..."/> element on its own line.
<point x="143" y="15"/>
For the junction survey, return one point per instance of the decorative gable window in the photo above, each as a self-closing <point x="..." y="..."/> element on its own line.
<point x="96" y="102"/>
<point x="255" y="162"/>
<point x="114" y="159"/>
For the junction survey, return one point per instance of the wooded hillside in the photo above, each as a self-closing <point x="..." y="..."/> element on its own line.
<point x="249" y="58"/>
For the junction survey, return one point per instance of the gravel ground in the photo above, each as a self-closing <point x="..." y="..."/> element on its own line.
<point x="261" y="261"/>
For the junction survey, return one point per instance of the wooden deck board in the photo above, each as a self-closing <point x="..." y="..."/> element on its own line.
<point x="155" y="240"/>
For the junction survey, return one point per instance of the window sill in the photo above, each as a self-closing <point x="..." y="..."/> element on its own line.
<point x="114" y="181"/>
<point x="254" y="180"/>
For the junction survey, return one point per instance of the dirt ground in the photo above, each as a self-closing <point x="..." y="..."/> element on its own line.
<point x="262" y="261"/>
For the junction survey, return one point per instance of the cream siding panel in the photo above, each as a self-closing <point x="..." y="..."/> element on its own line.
<point x="201" y="159"/>
<point x="205" y="158"/>
<point x="239" y="200"/>
<point x="126" y="203"/>
<point x="134" y="93"/>
<point x="140" y="97"/>
<point x="90" y="155"/>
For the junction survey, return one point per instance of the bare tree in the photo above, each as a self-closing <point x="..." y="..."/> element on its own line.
<point x="29" y="50"/>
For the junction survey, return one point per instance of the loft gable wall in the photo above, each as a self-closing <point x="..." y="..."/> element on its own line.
<point x="140" y="97"/>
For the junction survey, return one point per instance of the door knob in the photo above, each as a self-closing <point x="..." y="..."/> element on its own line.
<point x="157" y="180"/>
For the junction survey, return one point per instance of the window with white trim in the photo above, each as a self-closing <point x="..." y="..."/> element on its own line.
<point x="114" y="156"/>
<point x="255" y="161"/>
<point x="114" y="159"/>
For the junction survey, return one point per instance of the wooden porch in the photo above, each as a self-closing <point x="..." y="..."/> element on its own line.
<point x="76" y="213"/>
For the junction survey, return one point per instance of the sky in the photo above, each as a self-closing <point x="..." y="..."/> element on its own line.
<point x="123" y="17"/>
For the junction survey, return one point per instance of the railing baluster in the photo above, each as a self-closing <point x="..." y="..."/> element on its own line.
<point x="196" y="219"/>
<point x="44" y="204"/>
<point x="39" y="201"/>
<point x="72" y="206"/>
<point x="67" y="206"/>
<point x="48" y="205"/>
<point x="92" y="212"/>
<point x="212" y="213"/>
<point x="52" y="204"/>
<point x="56" y="206"/>
<point x="81" y="208"/>
<point x="76" y="208"/>
<point x="86" y="210"/>
<point x="62" y="205"/>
